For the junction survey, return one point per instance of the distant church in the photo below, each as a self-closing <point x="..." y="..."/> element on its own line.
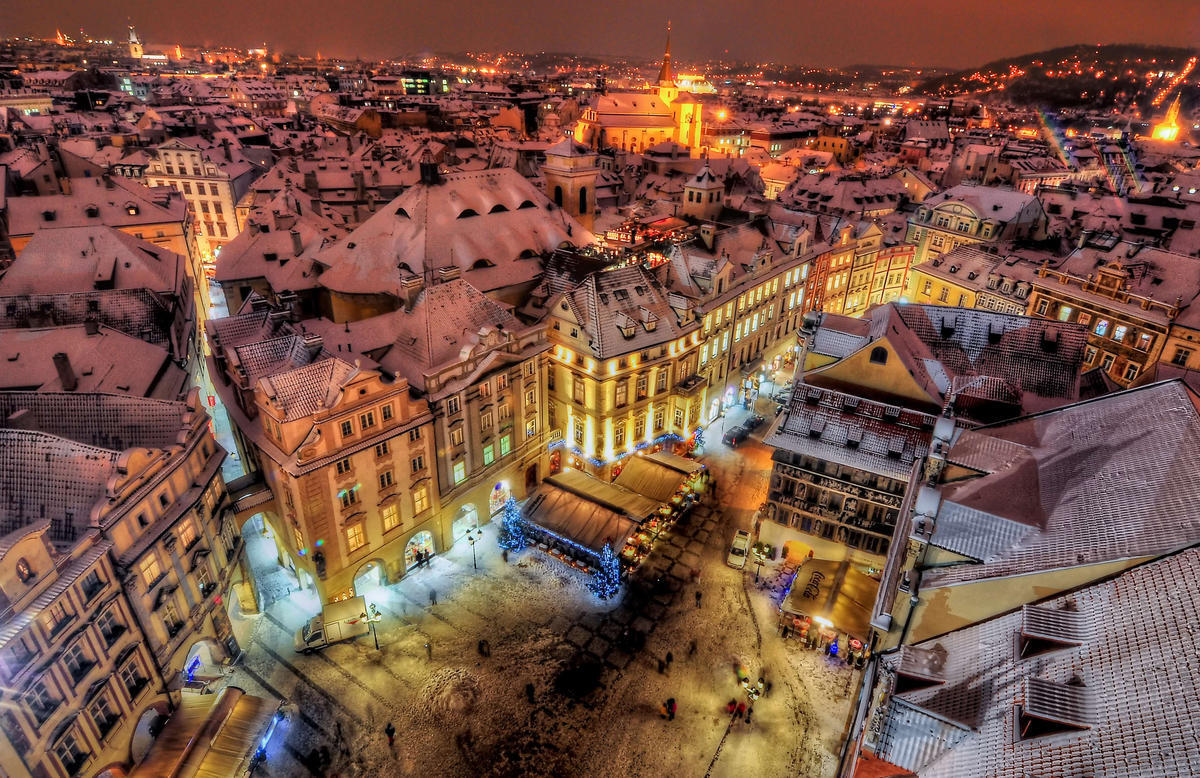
<point x="636" y="121"/>
<point x="1168" y="128"/>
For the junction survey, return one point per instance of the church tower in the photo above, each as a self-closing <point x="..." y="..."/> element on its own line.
<point x="571" y="170"/>
<point x="135" y="44"/>
<point x="667" y="90"/>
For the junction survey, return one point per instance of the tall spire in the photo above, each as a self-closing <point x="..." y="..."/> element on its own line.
<point x="666" y="76"/>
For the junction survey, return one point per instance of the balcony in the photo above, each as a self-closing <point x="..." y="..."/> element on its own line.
<point x="691" y="385"/>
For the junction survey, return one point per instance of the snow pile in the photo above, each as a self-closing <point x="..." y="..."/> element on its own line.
<point x="451" y="693"/>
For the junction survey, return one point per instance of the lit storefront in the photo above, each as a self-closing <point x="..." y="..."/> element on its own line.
<point x="827" y="607"/>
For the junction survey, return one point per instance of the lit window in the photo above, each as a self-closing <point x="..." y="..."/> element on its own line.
<point x="1101" y="327"/>
<point x="391" y="517"/>
<point x="460" y="472"/>
<point x="150" y="569"/>
<point x="355" y="537"/>
<point x="456" y="436"/>
<point x="1119" y="332"/>
<point x="489" y="454"/>
<point x="420" y="499"/>
<point x="505" y="445"/>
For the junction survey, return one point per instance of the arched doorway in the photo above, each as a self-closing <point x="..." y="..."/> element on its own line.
<point x="531" y="478"/>
<point x="149" y="725"/>
<point x="370" y="577"/>
<point x="270" y="563"/>
<point x="203" y="663"/>
<point x="466" y="520"/>
<point x="422" y="543"/>
<point x="558" y="196"/>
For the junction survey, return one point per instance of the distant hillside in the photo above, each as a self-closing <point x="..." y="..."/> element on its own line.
<point x="1117" y="75"/>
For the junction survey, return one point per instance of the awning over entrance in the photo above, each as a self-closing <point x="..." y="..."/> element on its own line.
<point x="835" y="594"/>
<point x="657" y="476"/>
<point x="210" y="736"/>
<point x="587" y="511"/>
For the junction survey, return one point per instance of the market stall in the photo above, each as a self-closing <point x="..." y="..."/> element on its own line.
<point x="828" y="606"/>
<point x="572" y="515"/>
<point x="211" y="736"/>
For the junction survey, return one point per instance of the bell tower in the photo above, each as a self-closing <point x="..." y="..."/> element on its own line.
<point x="667" y="90"/>
<point x="703" y="195"/>
<point x="136" y="50"/>
<point x="571" y="170"/>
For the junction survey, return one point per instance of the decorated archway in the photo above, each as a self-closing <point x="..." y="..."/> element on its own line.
<point x="149" y="725"/>
<point x="370" y="577"/>
<point x="203" y="663"/>
<point x="465" y="520"/>
<point x="420" y="543"/>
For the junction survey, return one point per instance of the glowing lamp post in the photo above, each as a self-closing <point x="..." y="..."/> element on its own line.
<point x="758" y="560"/>
<point x="473" y="537"/>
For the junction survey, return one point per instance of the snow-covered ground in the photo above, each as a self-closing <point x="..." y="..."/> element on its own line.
<point x="459" y="713"/>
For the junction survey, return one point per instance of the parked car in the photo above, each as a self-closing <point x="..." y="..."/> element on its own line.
<point x="735" y="436"/>
<point x="753" y="423"/>
<point x="739" y="549"/>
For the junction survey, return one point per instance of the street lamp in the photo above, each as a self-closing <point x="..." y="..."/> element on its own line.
<point x="473" y="537"/>
<point x="758" y="560"/>
<point x="374" y="617"/>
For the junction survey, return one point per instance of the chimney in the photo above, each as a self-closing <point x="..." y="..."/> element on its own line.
<point x="410" y="289"/>
<point x="297" y="243"/>
<point x="708" y="233"/>
<point x="310" y="183"/>
<point x="360" y="187"/>
<point x="108" y="182"/>
<point x="64" y="184"/>
<point x="91" y="327"/>
<point x="429" y="168"/>
<point x="66" y="375"/>
<point x="225" y="146"/>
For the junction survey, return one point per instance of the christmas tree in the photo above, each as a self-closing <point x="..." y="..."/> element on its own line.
<point x="512" y="527"/>
<point x="607" y="580"/>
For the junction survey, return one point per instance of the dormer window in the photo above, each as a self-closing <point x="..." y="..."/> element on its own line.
<point x="24" y="571"/>
<point x="879" y="355"/>
<point x="1053" y="708"/>
<point x="467" y="213"/>
<point x="92" y="211"/>
<point x="132" y="209"/>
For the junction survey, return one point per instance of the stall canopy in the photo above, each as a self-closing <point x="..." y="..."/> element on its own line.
<point x="210" y="736"/>
<point x="587" y="511"/>
<point x="836" y="592"/>
<point x="657" y="476"/>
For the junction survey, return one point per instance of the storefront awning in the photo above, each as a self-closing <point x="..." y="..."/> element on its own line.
<point x="587" y="511"/>
<point x="652" y="477"/>
<point x="210" y="736"/>
<point x="835" y="592"/>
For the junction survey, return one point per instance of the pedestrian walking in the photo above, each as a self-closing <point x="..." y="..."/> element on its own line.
<point x="699" y="594"/>
<point x="428" y="651"/>
<point x="662" y="711"/>
<point x="768" y="690"/>
<point x="671" y="709"/>
<point x="741" y="710"/>
<point x="749" y="711"/>
<point x="670" y="659"/>
<point x="692" y="647"/>
<point x="433" y="596"/>
<point x="529" y="692"/>
<point x="390" y="731"/>
<point x="731" y="707"/>
<point x="504" y="555"/>
<point x="662" y="666"/>
<point x="485" y="648"/>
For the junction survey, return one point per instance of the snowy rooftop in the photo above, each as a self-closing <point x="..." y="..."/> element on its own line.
<point x="1099" y="682"/>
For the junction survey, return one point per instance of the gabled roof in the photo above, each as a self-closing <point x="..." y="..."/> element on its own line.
<point x="1117" y="704"/>
<point x="472" y="221"/>
<point x="608" y="302"/>
<point x="1098" y="481"/>
<point x="79" y="259"/>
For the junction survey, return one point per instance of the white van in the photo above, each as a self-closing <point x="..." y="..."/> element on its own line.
<point x="739" y="549"/>
<point x="337" y="622"/>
